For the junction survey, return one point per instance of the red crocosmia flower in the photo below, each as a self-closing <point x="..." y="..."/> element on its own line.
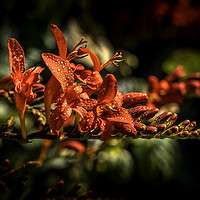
<point x="53" y="84"/>
<point x="67" y="101"/>
<point x="69" y="98"/>
<point x="94" y="80"/>
<point x="23" y="80"/>
<point x="106" y="112"/>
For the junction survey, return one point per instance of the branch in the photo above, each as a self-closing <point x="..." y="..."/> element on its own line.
<point x="42" y="134"/>
<point x="157" y="129"/>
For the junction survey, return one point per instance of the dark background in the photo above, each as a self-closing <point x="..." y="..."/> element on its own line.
<point x="148" y="29"/>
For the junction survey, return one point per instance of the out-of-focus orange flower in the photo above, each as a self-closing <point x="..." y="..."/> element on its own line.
<point x="73" y="144"/>
<point x="172" y="88"/>
<point x="23" y="80"/>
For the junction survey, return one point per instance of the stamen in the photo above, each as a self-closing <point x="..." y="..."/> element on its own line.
<point x="83" y="56"/>
<point x="112" y="61"/>
<point x="73" y="53"/>
<point x="71" y="56"/>
<point x="82" y="41"/>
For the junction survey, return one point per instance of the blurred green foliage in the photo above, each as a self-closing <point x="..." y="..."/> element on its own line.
<point x="103" y="167"/>
<point x="188" y="58"/>
<point x="160" y="156"/>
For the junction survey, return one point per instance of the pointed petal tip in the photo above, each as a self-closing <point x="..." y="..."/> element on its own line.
<point x="16" y="58"/>
<point x="53" y="26"/>
<point x="12" y="40"/>
<point x="108" y="89"/>
<point x="45" y="55"/>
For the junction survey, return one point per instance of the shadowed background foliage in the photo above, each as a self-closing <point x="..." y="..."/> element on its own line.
<point x="154" y="36"/>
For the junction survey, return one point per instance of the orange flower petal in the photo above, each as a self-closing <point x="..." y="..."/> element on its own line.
<point x="31" y="75"/>
<point x="59" y="116"/>
<point x="106" y="130"/>
<point x="52" y="86"/>
<point x="94" y="58"/>
<point x="108" y="89"/>
<point x="72" y="94"/>
<point x="60" y="68"/>
<point x="89" y="104"/>
<point x="94" y="81"/>
<point x="20" y="102"/>
<point x="83" y="74"/>
<point x="60" y="39"/>
<point x="121" y="116"/>
<point x="69" y="121"/>
<point x="58" y="97"/>
<point x="88" y="122"/>
<point x="123" y="121"/>
<point x="80" y="67"/>
<point x="17" y="60"/>
<point x="117" y="101"/>
<point x="80" y="110"/>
